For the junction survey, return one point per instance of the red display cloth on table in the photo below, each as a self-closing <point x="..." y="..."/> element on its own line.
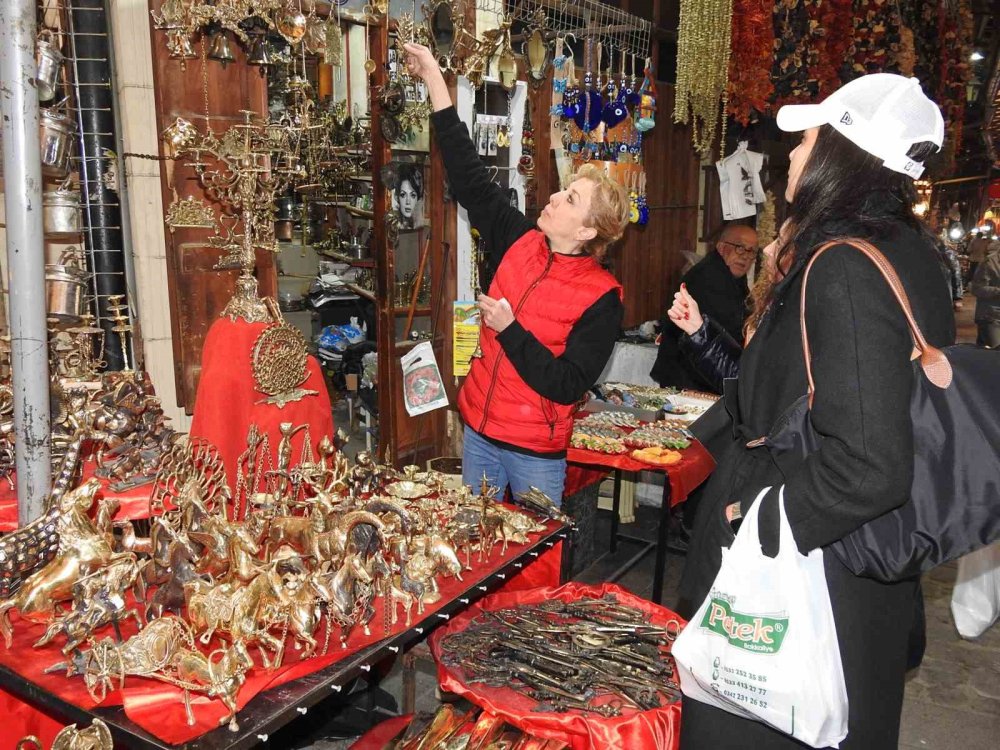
<point x="22" y="719"/>
<point x="158" y="708"/>
<point x="227" y="400"/>
<point x="382" y="734"/>
<point x="695" y="466"/>
<point x="658" y="728"/>
<point x="134" y="502"/>
<point x="580" y="477"/>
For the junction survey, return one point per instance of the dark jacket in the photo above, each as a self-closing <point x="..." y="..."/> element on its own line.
<point x="986" y="288"/>
<point x="952" y="270"/>
<point x="721" y="296"/>
<point x="563" y="377"/>
<point x="712" y="352"/>
<point x="861" y="365"/>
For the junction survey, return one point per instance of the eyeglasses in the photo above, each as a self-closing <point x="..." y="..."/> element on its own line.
<point x="740" y="249"/>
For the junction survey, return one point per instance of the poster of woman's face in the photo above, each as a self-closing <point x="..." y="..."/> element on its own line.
<point x="408" y="194"/>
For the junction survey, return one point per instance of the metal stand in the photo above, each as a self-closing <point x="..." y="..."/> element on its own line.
<point x="272" y="709"/>
<point x="660" y="545"/>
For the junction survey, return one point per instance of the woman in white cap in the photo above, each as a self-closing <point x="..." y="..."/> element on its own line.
<point x="850" y="176"/>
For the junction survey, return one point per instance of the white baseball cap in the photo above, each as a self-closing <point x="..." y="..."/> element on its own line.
<point x="882" y="113"/>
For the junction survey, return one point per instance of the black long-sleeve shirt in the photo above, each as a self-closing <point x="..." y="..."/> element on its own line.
<point x="564" y="378"/>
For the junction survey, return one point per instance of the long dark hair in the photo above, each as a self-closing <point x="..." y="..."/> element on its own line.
<point x="843" y="190"/>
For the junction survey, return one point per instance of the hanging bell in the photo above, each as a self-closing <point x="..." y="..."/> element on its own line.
<point x="220" y="49"/>
<point x="260" y="53"/>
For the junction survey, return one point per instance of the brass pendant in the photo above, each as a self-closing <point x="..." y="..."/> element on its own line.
<point x="278" y="363"/>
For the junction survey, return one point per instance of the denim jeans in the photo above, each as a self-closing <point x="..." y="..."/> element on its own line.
<point x="503" y="467"/>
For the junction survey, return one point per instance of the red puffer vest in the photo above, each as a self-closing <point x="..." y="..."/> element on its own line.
<point x="548" y="293"/>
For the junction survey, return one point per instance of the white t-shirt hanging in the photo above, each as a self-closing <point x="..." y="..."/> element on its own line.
<point x="739" y="182"/>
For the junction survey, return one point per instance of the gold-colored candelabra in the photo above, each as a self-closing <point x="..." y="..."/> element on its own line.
<point x="244" y="170"/>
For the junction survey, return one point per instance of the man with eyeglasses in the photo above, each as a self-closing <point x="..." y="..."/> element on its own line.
<point x="718" y="284"/>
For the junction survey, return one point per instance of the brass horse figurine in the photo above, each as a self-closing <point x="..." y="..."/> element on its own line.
<point x="237" y="610"/>
<point x="82" y="550"/>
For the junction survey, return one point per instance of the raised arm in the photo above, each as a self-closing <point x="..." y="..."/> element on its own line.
<point x="488" y="205"/>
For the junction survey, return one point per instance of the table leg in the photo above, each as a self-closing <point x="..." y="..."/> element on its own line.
<point x="616" y="499"/>
<point x="661" y="542"/>
<point x="409" y="682"/>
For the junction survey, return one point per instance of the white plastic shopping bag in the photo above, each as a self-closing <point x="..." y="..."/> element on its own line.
<point x="975" y="600"/>
<point x="423" y="388"/>
<point x="763" y="645"/>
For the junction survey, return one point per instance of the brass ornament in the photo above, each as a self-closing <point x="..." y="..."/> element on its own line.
<point x="278" y="362"/>
<point x="95" y="737"/>
<point x="703" y="51"/>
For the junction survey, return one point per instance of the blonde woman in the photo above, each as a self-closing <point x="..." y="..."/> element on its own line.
<point x="550" y="317"/>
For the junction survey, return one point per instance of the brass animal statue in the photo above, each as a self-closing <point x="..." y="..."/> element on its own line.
<point x="99" y="600"/>
<point x="95" y="737"/>
<point x="29" y="548"/>
<point x="194" y="672"/>
<point x="301" y="532"/>
<point x="238" y="611"/>
<point x="182" y="567"/>
<point x="82" y="550"/>
<point x="338" y="591"/>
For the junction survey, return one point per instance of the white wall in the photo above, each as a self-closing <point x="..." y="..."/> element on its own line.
<point x="134" y="69"/>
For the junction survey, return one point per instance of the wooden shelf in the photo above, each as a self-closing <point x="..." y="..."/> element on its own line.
<point x="360" y="213"/>
<point x="366" y="263"/>
<point x="418" y="311"/>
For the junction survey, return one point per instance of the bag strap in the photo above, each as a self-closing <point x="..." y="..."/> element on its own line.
<point x="935" y="364"/>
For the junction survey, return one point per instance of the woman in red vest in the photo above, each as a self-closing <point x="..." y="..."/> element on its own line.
<point x="552" y="314"/>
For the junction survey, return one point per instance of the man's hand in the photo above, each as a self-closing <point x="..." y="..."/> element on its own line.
<point x="495" y="313"/>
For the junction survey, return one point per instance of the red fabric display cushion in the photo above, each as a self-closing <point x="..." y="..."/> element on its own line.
<point x="658" y="728"/>
<point x="228" y="401"/>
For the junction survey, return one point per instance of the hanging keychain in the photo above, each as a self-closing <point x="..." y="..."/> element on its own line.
<point x="643" y="206"/>
<point x="503" y="134"/>
<point x="633" y="200"/>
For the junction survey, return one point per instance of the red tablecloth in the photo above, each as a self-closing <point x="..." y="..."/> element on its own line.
<point x="158" y="708"/>
<point x="696" y="464"/>
<point x="658" y="728"/>
<point x="134" y="503"/>
<point x="382" y="734"/>
<point x="228" y="402"/>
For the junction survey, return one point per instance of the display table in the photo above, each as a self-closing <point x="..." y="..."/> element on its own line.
<point x="134" y="502"/>
<point x="149" y="706"/>
<point x="655" y="728"/>
<point x="630" y="363"/>
<point x="679" y="479"/>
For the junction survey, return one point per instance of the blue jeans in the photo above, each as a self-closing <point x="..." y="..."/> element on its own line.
<point x="503" y="467"/>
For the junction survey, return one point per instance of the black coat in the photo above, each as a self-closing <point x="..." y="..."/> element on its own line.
<point x="860" y="350"/>
<point x="721" y="296"/>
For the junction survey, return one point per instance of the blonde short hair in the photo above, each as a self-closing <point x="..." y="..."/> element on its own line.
<point x="609" y="209"/>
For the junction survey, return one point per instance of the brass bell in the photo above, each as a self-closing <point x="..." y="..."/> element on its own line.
<point x="220" y="49"/>
<point x="260" y="53"/>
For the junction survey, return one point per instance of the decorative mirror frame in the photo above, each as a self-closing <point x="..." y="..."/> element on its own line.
<point x="537" y="32"/>
<point x="447" y="60"/>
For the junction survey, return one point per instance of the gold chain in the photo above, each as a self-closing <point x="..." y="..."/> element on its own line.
<point x="204" y="81"/>
<point x="703" y="49"/>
